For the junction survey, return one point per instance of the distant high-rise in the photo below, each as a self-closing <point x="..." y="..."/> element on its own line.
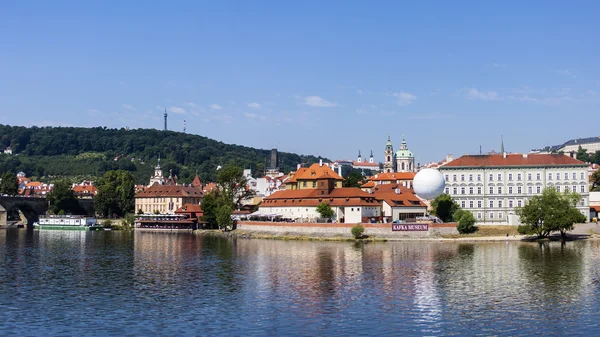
<point x="274" y="159"/>
<point x="165" y="119"/>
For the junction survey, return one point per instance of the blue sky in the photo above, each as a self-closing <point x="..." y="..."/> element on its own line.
<point x="312" y="77"/>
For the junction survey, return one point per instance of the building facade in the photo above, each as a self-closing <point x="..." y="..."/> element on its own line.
<point x="492" y="186"/>
<point x="388" y="155"/>
<point x="166" y="199"/>
<point x="405" y="160"/>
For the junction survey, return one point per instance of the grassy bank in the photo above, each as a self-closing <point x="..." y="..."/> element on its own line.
<point x="283" y="236"/>
<point x="487" y="231"/>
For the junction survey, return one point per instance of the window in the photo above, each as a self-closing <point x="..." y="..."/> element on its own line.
<point x="581" y="176"/>
<point x="447" y="178"/>
<point x="509" y="189"/>
<point x="530" y="190"/>
<point x="491" y="177"/>
<point x="528" y="176"/>
<point x="582" y="190"/>
<point x="454" y="177"/>
<point x="519" y="176"/>
<point x="491" y="203"/>
<point x="574" y="188"/>
<point x="499" y="215"/>
<point x="462" y="190"/>
<point x="510" y="203"/>
<point x="462" y="204"/>
<point x="519" y="203"/>
<point x="491" y="189"/>
<point x="479" y="203"/>
<point x="491" y="215"/>
<point x="470" y="177"/>
<point x="510" y="176"/>
<point x="470" y="190"/>
<point x="549" y="176"/>
<point x="566" y="176"/>
<point x="557" y="176"/>
<point x="478" y="190"/>
<point x="499" y="176"/>
<point x="538" y="176"/>
<point x="557" y="188"/>
<point x="500" y="203"/>
<point x="304" y="184"/>
<point x="499" y="189"/>
<point x="455" y="191"/>
<point x="519" y="189"/>
<point x="478" y="215"/>
<point x="574" y="176"/>
<point x="479" y="177"/>
<point x="471" y="204"/>
<point x="462" y="177"/>
<point x="538" y="189"/>
<point x="314" y="184"/>
<point x="447" y="190"/>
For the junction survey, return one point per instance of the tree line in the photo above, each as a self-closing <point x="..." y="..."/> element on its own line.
<point x="50" y="152"/>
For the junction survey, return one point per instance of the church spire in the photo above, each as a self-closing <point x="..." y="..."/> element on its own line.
<point x="501" y="144"/>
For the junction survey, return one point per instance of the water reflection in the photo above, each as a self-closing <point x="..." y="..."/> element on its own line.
<point x="181" y="284"/>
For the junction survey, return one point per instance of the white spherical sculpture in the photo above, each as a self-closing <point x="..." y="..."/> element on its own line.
<point x="429" y="183"/>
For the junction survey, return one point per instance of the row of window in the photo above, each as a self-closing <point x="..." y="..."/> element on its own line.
<point x="497" y="203"/>
<point x="519" y="190"/>
<point x="490" y="215"/>
<point x="517" y="176"/>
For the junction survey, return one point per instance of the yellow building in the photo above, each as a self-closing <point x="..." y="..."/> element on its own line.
<point x="317" y="176"/>
<point x="167" y="198"/>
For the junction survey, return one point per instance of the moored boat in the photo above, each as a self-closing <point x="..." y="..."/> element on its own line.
<point x="69" y="222"/>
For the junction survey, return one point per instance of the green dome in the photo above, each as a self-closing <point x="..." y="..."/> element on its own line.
<point x="404" y="154"/>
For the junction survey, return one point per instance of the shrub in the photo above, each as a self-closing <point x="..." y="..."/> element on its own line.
<point x="357" y="231"/>
<point x="466" y="221"/>
<point x="107" y="223"/>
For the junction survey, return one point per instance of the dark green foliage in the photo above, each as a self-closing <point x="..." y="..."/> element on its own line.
<point x="116" y="191"/>
<point x="232" y="185"/>
<point x="224" y="216"/>
<point x="550" y="212"/>
<point x="595" y="181"/>
<point x="210" y="204"/>
<point x="91" y="152"/>
<point x="9" y="184"/>
<point x="61" y="200"/>
<point x="357" y="231"/>
<point x="354" y="179"/>
<point x="325" y="210"/>
<point x="443" y="207"/>
<point x="466" y="221"/>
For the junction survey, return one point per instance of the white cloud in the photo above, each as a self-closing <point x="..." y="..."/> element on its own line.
<point x="254" y="116"/>
<point x="524" y="98"/>
<point x="93" y="112"/>
<point x="176" y="110"/>
<point x="254" y="105"/>
<point x="318" y="102"/>
<point x="473" y="93"/>
<point x="565" y="72"/>
<point x="129" y="107"/>
<point x="404" y="98"/>
<point x="215" y="107"/>
<point x="191" y="104"/>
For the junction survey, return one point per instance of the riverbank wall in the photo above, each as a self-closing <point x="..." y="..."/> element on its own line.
<point x="379" y="230"/>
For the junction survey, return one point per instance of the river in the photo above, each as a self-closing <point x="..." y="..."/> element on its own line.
<point x="73" y="283"/>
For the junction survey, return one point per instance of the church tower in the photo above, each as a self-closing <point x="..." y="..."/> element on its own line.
<point x="359" y="160"/>
<point x="158" y="177"/>
<point x="405" y="160"/>
<point x="388" y="163"/>
<point x="371" y="159"/>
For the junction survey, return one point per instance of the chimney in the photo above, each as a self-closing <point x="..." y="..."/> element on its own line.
<point x="524" y="155"/>
<point x="408" y="184"/>
<point x="320" y="162"/>
<point x="298" y="166"/>
<point x="449" y="158"/>
<point x="398" y="191"/>
<point x="340" y="170"/>
<point x="504" y="155"/>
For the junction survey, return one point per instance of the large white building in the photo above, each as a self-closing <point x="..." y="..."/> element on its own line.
<point x="492" y="186"/>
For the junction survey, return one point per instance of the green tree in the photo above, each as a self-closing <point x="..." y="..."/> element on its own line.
<point x="211" y="204"/>
<point x="128" y="221"/>
<point x="325" y="210"/>
<point x="234" y="185"/>
<point x="444" y="207"/>
<point x="354" y="179"/>
<point x="583" y="155"/>
<point x="224" y="216"/>
<point x="357" y="231"/>
<point x="595" y="181"/>
<point x="62" y="199"/>
<point x="9" y="184"/>
<point x="466" y="221"/>
<point x="550" y="212"/>
<point x="116" y="192"/>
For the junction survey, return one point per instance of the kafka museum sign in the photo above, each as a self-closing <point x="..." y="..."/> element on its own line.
<point x="410" y="227"/>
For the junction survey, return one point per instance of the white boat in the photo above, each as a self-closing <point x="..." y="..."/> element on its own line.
<point x="74" y="222"/>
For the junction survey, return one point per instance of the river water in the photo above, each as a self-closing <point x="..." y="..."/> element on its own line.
<point x="72" y="283"/>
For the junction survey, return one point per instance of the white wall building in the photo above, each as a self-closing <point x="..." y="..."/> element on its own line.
<point x="492" y="186"/>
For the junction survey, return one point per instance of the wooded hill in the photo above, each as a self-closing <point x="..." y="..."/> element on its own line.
<point x="47" y="153"/>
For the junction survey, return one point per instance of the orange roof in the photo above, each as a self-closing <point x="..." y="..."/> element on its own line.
<point x="368" y="184"/>
<point x="514" y="160"/>
<point x="406" y="197"/>
<point x="209" y="187"/>
<point x="355" y="163"/>
<point x="196" y="182"/>
<point x="189" y="208"/>
<point x="157" y="190"/>
<point x="315" y="172"/>
<point x="33" y="184"/>
<point x="85" y="189"/>
<point x="393" y="176"/>
<point x="346" y="196"/>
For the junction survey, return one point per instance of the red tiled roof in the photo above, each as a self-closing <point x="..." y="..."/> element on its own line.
<point x="355" y="163"/>
<point x="393" y="176"/>
<point x="315" y="172"/>
<point x="368" y="184"/>
<point x="85" y="189"/>
<point x="514" y="160"/>
<point x="189" y="208"/>
<point x="157" y="190"/>
<point x="343" y="196"/>
<point x="196" y="182"/>
<point x="406" y="197"/>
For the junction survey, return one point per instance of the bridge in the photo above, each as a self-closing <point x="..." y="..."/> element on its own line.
<point x="32" y="208"/>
